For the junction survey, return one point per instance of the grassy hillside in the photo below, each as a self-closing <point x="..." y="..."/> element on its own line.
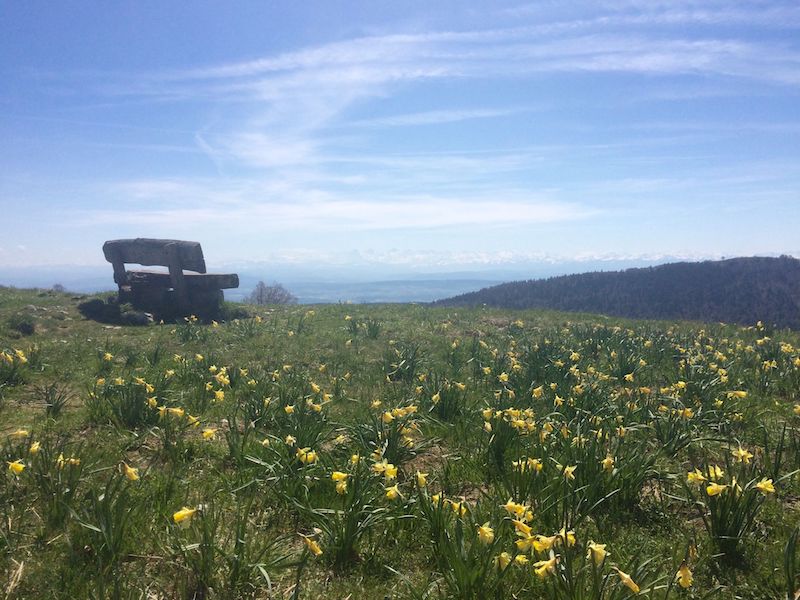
<point x="394" y="451"/>
<point x="738" y="290"/>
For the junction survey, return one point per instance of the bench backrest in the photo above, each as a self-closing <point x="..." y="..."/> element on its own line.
<point x="149" y="252"/>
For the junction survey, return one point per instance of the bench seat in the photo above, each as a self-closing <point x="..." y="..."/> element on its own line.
<point x="194" y="281"/>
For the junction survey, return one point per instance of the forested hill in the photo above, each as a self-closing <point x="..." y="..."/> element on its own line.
<point x="737" y="290"/>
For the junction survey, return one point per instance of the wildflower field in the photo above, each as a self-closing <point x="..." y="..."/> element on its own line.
<point x="395" y="451"/>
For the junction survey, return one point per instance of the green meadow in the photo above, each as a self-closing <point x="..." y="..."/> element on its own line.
<point x="395" y="451"/>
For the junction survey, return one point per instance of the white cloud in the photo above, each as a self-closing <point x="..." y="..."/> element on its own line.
<point x="329" y="213"/>
<point x="433" y="117"/>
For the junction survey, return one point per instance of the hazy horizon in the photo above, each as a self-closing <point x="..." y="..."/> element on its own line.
<point x="344" y="283"/>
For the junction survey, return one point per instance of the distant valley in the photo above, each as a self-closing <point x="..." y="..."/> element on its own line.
<point x="319" y="290"/>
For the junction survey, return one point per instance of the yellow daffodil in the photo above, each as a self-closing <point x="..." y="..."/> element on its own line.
<point x="35" y="447"/>
<point x="627" y="581"/>
<point x="306" y="455"/>
<point x="608" y="463"/>
<point x="16" y="467"/>
<point x="131" y="473"/>
<point x="513" y="508"/>
<point x="597" y="553"/>
<point x="184" y="515"/>
<point x="209" y="433"/>
<point x="460" y="508"/>
<point x="715" y="489"/>
<point x="567" y="536"/>
<point x="742" y="455"/>
<point x="339" y="476"/>
<point x="422" y="479"/>
<point x="684" y="576"/>
<point x="525" y="543"/>
<point x="543" y="543"/>
<point x="695" y="477"/>
<point x="392" y="493"/>
<point x="62" y="462"/>
<point x="522" y="528"/>
<point x="485" y="534"/>
<point x="543" y="568"/>
<point x="569" y="472"/>
<point x="765" y="486"/>
<point x="312" y="545"/>
<point x="502" y="561"/>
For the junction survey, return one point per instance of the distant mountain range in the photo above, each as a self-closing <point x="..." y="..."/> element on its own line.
<point x="737" y="290"/>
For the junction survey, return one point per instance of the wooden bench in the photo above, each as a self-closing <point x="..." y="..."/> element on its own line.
<point x="185" y="289"/>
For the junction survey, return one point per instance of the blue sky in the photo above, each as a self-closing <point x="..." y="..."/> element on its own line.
<point x="401" y="135"/>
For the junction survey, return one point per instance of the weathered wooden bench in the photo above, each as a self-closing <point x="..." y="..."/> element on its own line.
<point x="185" y="289"/>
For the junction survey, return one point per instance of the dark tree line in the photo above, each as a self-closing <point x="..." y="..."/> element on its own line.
<point x="738" y="290"/>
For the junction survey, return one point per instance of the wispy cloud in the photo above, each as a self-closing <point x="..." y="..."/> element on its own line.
<point x="434" y="117"/>
<point x="668" y="12"/>
<point x="247" y="206"/>
<point x="282" y="109"/>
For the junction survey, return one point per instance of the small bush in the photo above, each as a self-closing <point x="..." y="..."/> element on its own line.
<point x="271" y="294"/>
<point x="22" y="323"/>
